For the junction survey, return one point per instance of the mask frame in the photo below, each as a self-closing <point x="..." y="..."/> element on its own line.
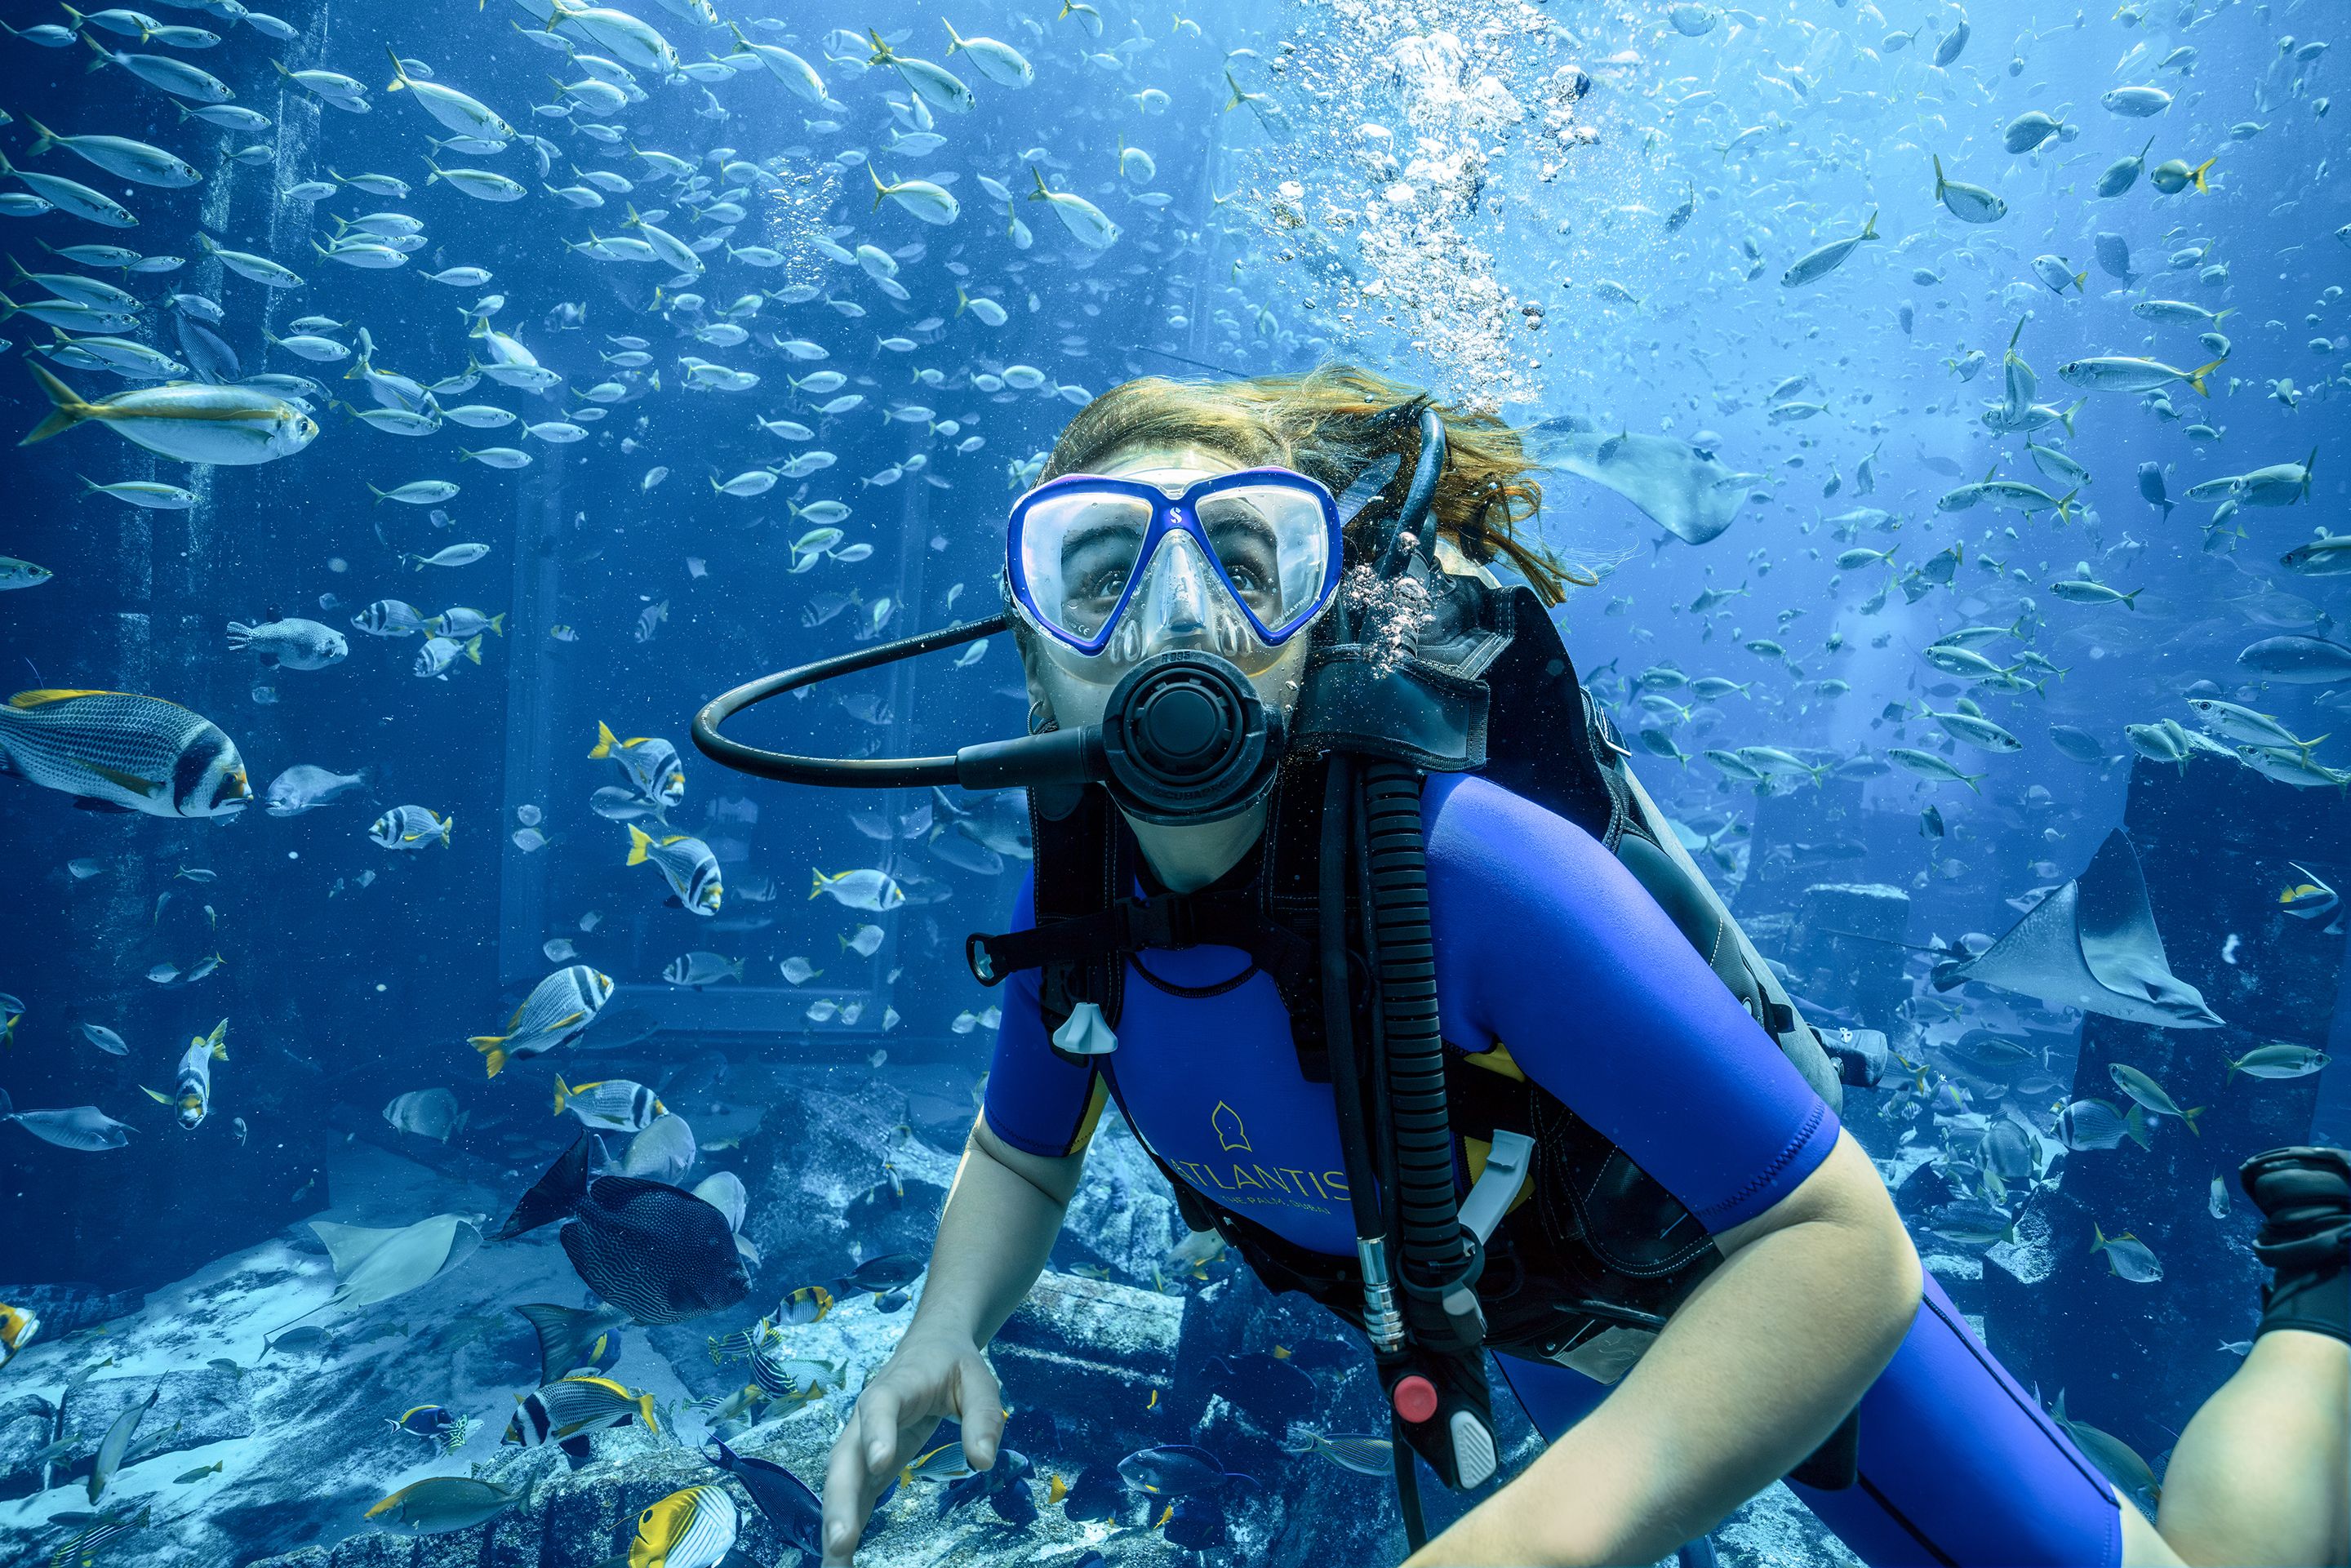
<point x="1171" y="515"/>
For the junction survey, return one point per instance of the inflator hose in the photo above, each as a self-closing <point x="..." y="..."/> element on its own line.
<point x="1420" y="1141"/>
<point x="1427" y="1208"/>
<point x="1338" y="1002"/>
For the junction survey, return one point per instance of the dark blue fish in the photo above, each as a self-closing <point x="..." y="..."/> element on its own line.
<point x="797" y="1512"/>
<point x="658" y="1253"/>
<point x="1005" y="1485"/>
<point x="886" y="1272"/>
<point x="1272" y="1391"/>
<point x="1176" y="1470"/>
<point x="2114" y="256"/>
<point x="1194" y="1523"/>
<point x="1096" y="1496"/>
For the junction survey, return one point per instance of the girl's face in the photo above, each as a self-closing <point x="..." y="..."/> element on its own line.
<point x="1072" y="690"/>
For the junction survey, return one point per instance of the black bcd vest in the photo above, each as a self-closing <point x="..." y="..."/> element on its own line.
<point x="1595" y="1242"/>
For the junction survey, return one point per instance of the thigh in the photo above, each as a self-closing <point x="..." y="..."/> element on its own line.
<point x="1960" y="1466"/>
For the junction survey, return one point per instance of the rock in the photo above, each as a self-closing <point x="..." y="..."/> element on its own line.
<point x="1091" y="1354"/>
<point x="62" y="1309"/>
<point x="1122" y="1215"/>
<point x="195" y="1408"/>
<point x="821" y="1199"/>
<point x="1849" y="956"/>
<point x="1773" y="1529"/>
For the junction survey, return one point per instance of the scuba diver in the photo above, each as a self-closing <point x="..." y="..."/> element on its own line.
<point x="1342" y="894"/>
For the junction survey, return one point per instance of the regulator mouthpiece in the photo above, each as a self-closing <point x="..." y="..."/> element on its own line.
<point x="1184" y="738"/>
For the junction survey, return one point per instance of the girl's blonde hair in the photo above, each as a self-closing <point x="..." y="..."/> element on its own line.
<point x="1332" y="424"/>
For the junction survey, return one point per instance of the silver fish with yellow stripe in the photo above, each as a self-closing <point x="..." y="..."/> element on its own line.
<point x="192" y="421"/>
<point x="689" y="863"/>
<point x="558" y="1011"/>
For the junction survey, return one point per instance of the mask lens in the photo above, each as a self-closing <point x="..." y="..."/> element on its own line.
<point x="1273" y="543"/>
<point x="1078" y="551"/>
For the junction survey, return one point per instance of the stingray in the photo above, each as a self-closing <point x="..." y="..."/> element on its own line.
<point x="373" y="1265"/>
<point x="1682" y="488"/>
<point x="2092" y="944"/>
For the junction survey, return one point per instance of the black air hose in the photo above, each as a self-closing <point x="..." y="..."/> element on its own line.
<point x="1406" y="536"/>
<point x="1338" y="1002"/>
<point x="1428" y="1206"/>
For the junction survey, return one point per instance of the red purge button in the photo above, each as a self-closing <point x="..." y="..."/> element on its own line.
<point x="1416" y="1398"/>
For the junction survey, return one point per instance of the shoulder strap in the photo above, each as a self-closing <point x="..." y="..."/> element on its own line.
<point x="1089" y="924"/>
<point x="1081" y="866"/>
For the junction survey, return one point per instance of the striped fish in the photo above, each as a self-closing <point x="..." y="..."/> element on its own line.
<point x="83" y="1549"/>
<point x="615" y="1104"/>
<point x="565" y="1411"/>
<point x="649" y="762"/>
<point x="411" y="827"/>
<point x="694" y="1528"/>
<point x="18" y="1327"/>
<point x="193" y="1098"/>
<point x="558" y="1011"/>
<point x="118" y="751"/>
<point x="689" y="863"/>
<point x="774" y="1370"/>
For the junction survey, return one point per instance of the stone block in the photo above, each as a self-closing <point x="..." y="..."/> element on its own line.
<point x="1091" y="1353"/>
<point x="1848" y="955"/>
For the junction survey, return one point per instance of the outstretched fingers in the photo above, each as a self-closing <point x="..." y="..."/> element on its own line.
<point x="862" y="1458"/>
<point x="847" y="1499"/>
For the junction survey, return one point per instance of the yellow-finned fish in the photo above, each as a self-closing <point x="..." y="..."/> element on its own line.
<point x="119" y="751"/>
<point x="18" y="1327"/>
<point x="689" y="863"/>
<point x="650" y="763"/>
<point x="558" y="1011"/>
<point x="694" y="1528"/>
<point x="565" y="1410"/>
<point x="411" y="827"/>
<point x="191" y="1101"/>
<point x="192" y="421"/>
<point x="615" y="1104"/>
<point x="439" y="1504"/>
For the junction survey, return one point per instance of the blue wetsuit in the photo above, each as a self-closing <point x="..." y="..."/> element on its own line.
<point x="1546" y="943"/>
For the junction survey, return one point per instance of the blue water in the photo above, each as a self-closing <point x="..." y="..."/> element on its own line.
<point x="1486" y="200"/>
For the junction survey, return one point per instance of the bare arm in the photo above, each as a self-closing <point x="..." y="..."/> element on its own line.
<point x="1752" y="1373"/>
<point x="997" y="1230"/>
<point x="1001" y="1218"/>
